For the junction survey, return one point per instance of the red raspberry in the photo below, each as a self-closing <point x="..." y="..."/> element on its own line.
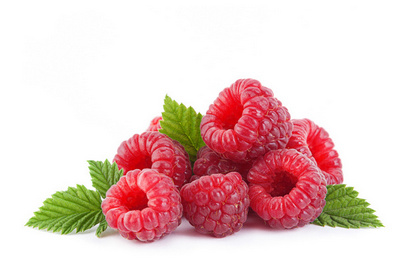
<point x="208" y="162"/>
<point x="216" y="204"/>
<point x="143" y="205"/>
<point x="286" y="189"/>
<point x="245" y="122"/>
<point x="152" y="149"/>
<point x="155" y="124"/>
<point x="313" y="141"/>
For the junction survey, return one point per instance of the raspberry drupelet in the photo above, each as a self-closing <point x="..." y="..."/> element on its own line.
<point x="143" y="205"/>
<point x="155" y="150"/>
<point x="216" y="204"/>
<point x="314" y="141"/>
<point x="286" y="189"/>
<point x="155" y="124"/>
<point x="245" y="122"/>
<point x="208" y="162"/>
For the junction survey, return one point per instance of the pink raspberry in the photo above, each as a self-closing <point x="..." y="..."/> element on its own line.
<point x="208" y="162"/>
<point x="143" y="205"/>
<point x="152" y="149"/>
<point x="313" y="141"/>
<point x="286" y="189"/>
<point x="216" y="204"/>
<point x="155" y="124"/>
<point x="245" y="122"/>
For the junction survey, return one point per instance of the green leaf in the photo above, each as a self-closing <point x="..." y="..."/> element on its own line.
<point x="75" y="209"/>
<point x="182" y="124"/>
<point x="102" y="226"/>
<point x="344" y="209"/>
<point x="104" y="175"/>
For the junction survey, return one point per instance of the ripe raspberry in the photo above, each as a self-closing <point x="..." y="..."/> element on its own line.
<point x="155" y="124"/>
<point x="208" y="162"/>
<point x="286" y="189"/>
<point x="143" y="205"/>
<point x="152" y="149"/>
<point x="216" y="204"/>
<point x="245" y="122"/>
<point x="314" y="142"/>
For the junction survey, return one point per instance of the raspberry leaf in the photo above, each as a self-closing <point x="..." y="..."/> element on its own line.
<point x="102" y="226"/>
<point x="104" y="175"/>
<point x="75" y="209"/>
<point x="345" y="209"/>
<point x="182" y="123"/>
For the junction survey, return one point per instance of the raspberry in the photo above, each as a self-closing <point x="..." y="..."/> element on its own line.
<point x="286" y="189"/>
<point x="208" y="162"/>
<point x="152" y="149"/>
<point x="245" y="122"/>
<point x="155" y="124"/>
<point x="143" y="205"/>
<point x="314" y="142"/>
<point x="216" y="204"/>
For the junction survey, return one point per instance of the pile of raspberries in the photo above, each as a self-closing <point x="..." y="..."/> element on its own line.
<point x="256" y="158"/>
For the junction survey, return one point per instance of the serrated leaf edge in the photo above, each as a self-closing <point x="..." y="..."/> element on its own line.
<point x="104" y="175"/>
<point x="79" y="221"/>
<point x="172" y="126"/>
<point x="331" y="218"/>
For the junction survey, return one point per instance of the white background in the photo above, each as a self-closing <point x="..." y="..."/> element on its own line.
<point x="79" y="77"/>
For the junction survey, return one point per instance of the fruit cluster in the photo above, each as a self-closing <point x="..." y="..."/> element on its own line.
<point x="255" y="157"/>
